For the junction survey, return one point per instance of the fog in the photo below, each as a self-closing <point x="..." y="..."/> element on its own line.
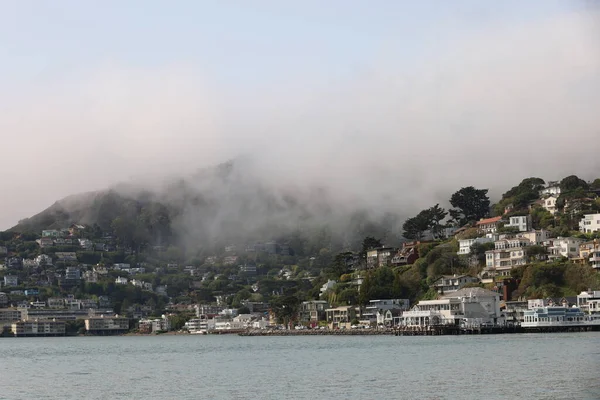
<point x="516" y="100"/>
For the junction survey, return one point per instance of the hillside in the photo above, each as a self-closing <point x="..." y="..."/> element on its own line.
<point x="216" y="207"/>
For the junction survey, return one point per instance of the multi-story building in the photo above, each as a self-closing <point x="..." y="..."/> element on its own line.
<point x="312" y="312"/>
<point x="536" y="237"/>
<point x="340" y="317"/>
<point x="589" y="301"/>
<point x="8" y="316"/>
<point x="552" y="189"/>
<point x="521" y="222"/>
<point x="106" y="325"/>
<point x="549" y="203"/>
<point x="507" y="254"/>
<point x="56" y="302"/>
<point x="380" y="257"/>
<point x="464" y="245"/>
<point x="3" y="299"/>
<point x="567" y="247"/>
<point x="466" y="307"/>
<point x="488" y="225"/>
<point x="377" y="308"/>
<point x="11" y="280"/>
<point x="594" y="259"/>
<point x="590" y="223"/>
<point x="452" y="283"/>
<point x="38" y="328"/>
<point x="72" y="274"/>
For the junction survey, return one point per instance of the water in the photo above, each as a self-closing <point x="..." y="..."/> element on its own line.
<point x="530" y="366"/>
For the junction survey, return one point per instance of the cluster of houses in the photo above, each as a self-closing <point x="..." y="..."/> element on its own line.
<point x="511" y="249"/>
<point x="71" y="237"/>
<point x="471" y="307"/>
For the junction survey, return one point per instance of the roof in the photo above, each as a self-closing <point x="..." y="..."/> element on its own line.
<point x="488" y="220"/>
<point x="472" y="291"/>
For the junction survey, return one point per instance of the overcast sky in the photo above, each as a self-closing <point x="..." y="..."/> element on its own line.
<point x="417" y="97"/>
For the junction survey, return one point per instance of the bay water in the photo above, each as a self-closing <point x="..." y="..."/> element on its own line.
<point x="519" y="366"/>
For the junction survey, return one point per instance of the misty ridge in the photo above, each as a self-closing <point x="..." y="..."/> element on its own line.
<point x="343" y="158"/>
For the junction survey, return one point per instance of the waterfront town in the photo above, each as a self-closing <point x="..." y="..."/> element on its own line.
<point x="531" y="262"/>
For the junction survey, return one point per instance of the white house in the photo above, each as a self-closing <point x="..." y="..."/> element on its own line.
<point x="375" y="307"/>
<point x="467" y="307"/>
<point x="590" y="223"/>
<point x="327" y="286"/>
<point x="11" y="280"/>
<point x="563" y="247"/>
<point x="594" y="259"/>
<point x="535" y="237"/>
<point x="43" y="260"/>
<point x="589" y="301"/>
<point x="549" y="203"/>
<point x="464" y="245"/>
<point x="121" y="281"/>
<point x="507" y="254"/>
<point x="452" y="283"/>
<point x="488" y="225"/>
<point x="553" y="189"/>
<point x="521" y="222"/>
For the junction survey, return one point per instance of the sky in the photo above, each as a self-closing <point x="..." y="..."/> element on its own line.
<point x="399" y="101"/>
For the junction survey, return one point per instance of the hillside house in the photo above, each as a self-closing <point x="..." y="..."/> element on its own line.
<point x="380" y="257"/>
<point x="507" y="254"/>
<point x="535" y="237"/>
<point x="452" y="283"/>
<point x="590" y="223"/>
<point x="45" y="242"/>
<point x="66" y="256"/>
<point x="407" y="255"/>
<point x="464" y="245"/>
<point x="488" y="225"/>
<point x="567" y="247"/>
<point x="552" y="189"/>
<point x="549" y="203"/>
<point x="11" y="280"/>
<point x="520" y="222"/>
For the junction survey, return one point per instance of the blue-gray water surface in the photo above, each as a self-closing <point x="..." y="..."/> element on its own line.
<point x="528" y="366"/>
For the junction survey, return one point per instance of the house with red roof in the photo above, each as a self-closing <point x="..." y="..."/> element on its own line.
<point x="488" y="225"/>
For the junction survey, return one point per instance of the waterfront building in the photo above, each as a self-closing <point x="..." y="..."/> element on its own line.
<point x="312" y="312"/>
<point x="465" y="307"/>
<point x="8" y="316"/>
<point x="340" y="317"/>
<point x="589" y="301"/>
<point x="3" y="300"/>
<point x="38" y="328"/>
<point x="107" y="325"/>
<point x="375" y="310"/>
<point x="551" y="316"/>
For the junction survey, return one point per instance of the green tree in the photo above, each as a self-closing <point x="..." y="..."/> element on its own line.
<point x="414" y="228"/>
<point x="572" y="182"/>
<point x="596" y="184"/>
<point x="470" y="204"/>
<point x="370" y="243"/>
<point x="285" y="308"/>
<point x="436" y="215"/>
